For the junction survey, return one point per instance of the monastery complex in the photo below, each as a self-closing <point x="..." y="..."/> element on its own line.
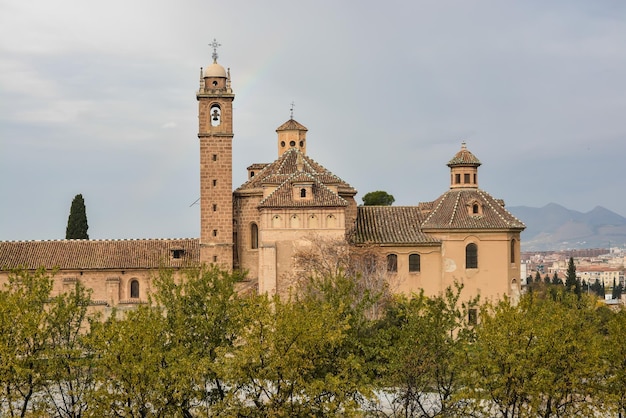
<point x="464" y="235"/>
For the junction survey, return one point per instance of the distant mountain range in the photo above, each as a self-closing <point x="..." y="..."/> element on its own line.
<point x="554" y="227"/>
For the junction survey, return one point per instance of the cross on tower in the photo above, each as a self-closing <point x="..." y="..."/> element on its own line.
<point x="214" y="45"/>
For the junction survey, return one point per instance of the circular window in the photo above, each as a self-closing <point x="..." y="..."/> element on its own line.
<point x="282" y="144"/>
<point x="301" y="144"/>
<point x="292" y="143"/>
<point x="214" y="83"/>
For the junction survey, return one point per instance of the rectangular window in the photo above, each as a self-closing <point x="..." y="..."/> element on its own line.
<point x="472" y="316"/>
<point x="392" y="263"/>
<point x="214" y="183"/>
<point x="214" y="207"/>
<point x="215" y="232"/>
<point x="214" y="157"/>
<point x="414" y="263"/>
<point x="457" y="178"/>
<point x="466" y="178"/>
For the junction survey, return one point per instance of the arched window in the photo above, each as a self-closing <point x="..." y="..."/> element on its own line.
<point x="254" y="236"/>
<point x="414" y="263"/>
<point x="475" y="208"/>
<point x="134" y="289"/>
<point x="513" y="251"/>
<point x="392" y="263"/>
<point x="302" y="192"/>
<point x="471" y="256"/>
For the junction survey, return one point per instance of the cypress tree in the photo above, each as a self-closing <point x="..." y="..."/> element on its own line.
<point x="570" y="276"/>
<point x="77" y="221"/>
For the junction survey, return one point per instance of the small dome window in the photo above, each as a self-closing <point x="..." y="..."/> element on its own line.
<point x="474" y="208"/>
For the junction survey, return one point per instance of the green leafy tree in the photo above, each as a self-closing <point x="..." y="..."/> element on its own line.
<point x="24" y="333"/>
<point x="203" y="317"/>
<point x="77" y="221"/>
<point x="378" y="198"/>
<point x="290" y="361"/>
<point x="133" y="370"/>
<point x="430" y="338"/>
<point x="615" y="358"/>
<point x="572" y="282"/>
<point x="616" y="292"/>
<point x="598" y="288"/>
<point x="540" y="358"/>
<point x="69" y="365"/>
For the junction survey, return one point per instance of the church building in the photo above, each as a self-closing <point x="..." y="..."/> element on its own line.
<point x="464" y="235"/>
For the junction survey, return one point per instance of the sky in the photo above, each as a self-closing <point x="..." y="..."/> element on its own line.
<point x="98" y="98"/>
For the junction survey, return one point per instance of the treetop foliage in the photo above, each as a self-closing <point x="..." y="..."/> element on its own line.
<point x="201" y="349"/>
<point x="378" y="198"/>
<point x="77" y="221"/>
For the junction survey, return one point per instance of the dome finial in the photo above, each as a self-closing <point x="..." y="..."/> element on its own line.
<point x="214" y="45"/>
<point x="291" y="110"/>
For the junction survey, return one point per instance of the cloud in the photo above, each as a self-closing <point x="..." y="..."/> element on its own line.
<point x="99" y="99"/>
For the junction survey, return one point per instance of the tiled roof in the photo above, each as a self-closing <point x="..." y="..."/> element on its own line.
<point x="283" y="196"/>
<point x="286" y="165"/>
<point x="291" y="125"/>
<point x="463" y="158"/>
<point x="98" y="254"/>
<point x="398" y="225"/>
<point x="452" y="210"/>
<point x="257" y="166"/>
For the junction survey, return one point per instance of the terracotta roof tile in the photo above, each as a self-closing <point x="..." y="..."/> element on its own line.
<point x="398" y="225"/>
<point x="464" y="157"/>
<point x="98" y="254"/>
<point x="287" y="164"/>
<point x="283" y="196"/>
<point x="291" y="125"/>
<point x="452" y="210"/>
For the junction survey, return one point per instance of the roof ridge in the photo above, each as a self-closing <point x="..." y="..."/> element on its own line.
<point x="455" y="208"/>
<point x="489" y="198"/>
<point x="432" y="212"/>
<point x="307" y="174"/>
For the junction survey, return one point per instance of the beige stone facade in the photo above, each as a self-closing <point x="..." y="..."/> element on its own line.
<point x="465" y="235"/>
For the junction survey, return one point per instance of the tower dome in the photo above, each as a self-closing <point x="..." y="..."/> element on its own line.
<point x="464" y="158"/>
<point x="214" y="78"/>
<point x="464" y="169"/>
<point x="215" y="70"/>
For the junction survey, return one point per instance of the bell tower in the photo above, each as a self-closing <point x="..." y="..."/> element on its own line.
<point x="215" y="132"/>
